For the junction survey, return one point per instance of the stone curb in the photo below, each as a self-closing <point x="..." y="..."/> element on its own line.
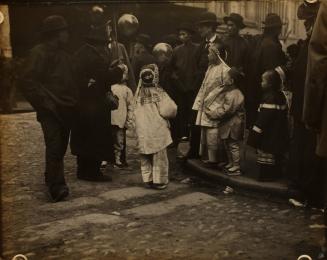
<point x="273" y="188"/>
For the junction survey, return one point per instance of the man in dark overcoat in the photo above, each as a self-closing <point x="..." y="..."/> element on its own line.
<point x="266" y="55"/>
<point x="91" y="139"/>
<point x="305" y="167"/>
<point x="237" y="45"/>
<point x="315" y="98"/>
<point x="184" y="68"/>
<point x="47" y="82"/>
<point x="206" y="25"/>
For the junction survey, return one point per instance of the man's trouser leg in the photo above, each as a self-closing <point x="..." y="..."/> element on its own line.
<point x="194" y="139"/>
<point x="56" y="138"/>
<point x="182" y="115"/>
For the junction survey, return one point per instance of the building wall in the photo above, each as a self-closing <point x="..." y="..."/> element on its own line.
<point x="254" y="12"/>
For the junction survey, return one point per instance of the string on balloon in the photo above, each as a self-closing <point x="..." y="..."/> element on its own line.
<point x="113" y="40"/>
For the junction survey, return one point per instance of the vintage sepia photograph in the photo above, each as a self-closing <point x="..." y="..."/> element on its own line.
<point x="136" y="130"/>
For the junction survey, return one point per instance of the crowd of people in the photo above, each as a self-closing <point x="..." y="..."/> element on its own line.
<point x="205" y="93"/>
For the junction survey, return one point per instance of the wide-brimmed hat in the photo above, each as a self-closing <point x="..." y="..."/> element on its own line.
<point x="207" y="18"/>
<point x="236" y="19"/>
<point x="186" y="27"/>
<point x="272" y="20"/>
<point x="53" y="23"/>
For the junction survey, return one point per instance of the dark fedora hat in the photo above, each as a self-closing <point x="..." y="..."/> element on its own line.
<point x="53" y="23"/>
<point x="186" y="27"/>
<point x="236" y="19"/>
<point x="208" y="18"/>
<point x="272" y="20"/>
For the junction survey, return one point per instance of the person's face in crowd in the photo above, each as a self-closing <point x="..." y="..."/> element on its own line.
<point x="204" y="30"/>
<point x="265" y="81"/>
<point x="184" y="36"/>
<point x="232" y="29"/>
<point x="139" y="48"/>
<point x="63" y="37"/>
<point x="221" y="35"/>
<point x="97" y="18"/>
<point x="161" y="58"/>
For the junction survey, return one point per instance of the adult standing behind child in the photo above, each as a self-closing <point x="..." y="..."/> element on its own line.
<point x="269" y="134"/>
<point x="153" y="108"/>
<point x="121" y="118"/>
<point x="228" y="108"/>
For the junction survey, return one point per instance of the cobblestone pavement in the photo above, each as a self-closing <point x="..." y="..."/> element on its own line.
<point x="122" y="220"/>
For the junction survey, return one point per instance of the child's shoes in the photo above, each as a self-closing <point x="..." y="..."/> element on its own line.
<point x="234" y="171"/>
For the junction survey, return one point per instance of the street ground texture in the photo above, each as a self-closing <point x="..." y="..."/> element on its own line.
<point x="123" y="220"/>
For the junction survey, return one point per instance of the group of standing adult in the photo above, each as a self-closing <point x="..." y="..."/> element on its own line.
<point x="72" y="95"/>
<point x="189" y="64"/>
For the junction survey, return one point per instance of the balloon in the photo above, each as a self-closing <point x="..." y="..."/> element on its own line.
<point x="162" y="49"/>
<point x="128" y="24"/>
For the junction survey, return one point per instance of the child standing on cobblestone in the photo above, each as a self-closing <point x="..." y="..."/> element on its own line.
<point x="269" y="135"/>
<point x="121" y="118"/>
<point x="153" y="108"/>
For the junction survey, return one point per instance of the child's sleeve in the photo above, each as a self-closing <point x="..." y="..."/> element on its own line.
<point x="130" y="113"/>
<point x="265" y="116"/>
<point x="231" y="104"/>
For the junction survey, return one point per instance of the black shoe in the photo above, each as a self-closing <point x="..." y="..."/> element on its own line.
<point x="160" y="186"/>
<point x="125" y="164"/>
<point x="97" y="178"/>
<point x="59" y="193"/>
<point x="148" y="185"/>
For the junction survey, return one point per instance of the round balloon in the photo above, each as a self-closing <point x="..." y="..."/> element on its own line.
<point x="162" y="49"/>
<point x="128" y="24"/>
